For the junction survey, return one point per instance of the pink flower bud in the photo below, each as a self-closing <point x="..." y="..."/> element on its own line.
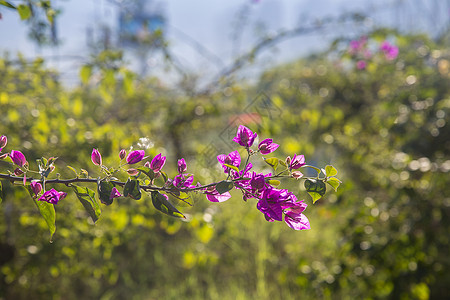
<point x="122" y="154"/>
<point x="135" y="156"/>
<point x="3" y="141"/>
<point x="114" y="193"/>
<point x="18" y="172"/>
<point x="36" y="187"/>
<point x="267" y="146"/>
<point x="18" y="158"/>
<point x="157" y="163"/>
<point x="132" y="172"/>
<point x="182" y="167"/>
<point x="297" y="174"/>
<point x="96" y="157"/>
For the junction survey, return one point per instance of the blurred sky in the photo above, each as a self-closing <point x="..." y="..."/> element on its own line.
<point x="211" y="24"/>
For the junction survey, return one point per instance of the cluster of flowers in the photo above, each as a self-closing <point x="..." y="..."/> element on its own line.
<point x="359" y="49"/>
<point x="275" y="204"/>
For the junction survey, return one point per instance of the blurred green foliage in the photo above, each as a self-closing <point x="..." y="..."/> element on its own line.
<point x="385" y="234"/>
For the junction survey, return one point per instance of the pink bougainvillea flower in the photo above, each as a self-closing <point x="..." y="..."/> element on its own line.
<point x="270" y="203"/>
<point x="295" y="218"/>
<point x="36" y="187"/>
<point x="96" y="157"/>
<point x="214" y="196"/>
<point x="157" y="163"/>
<point x="245" y="137"/>
<point x="233" y="159"/>
<point x="183" y="181"/>
<point x="18" y="158"/>
<point x="135" y="156"/>
<point x="3" y="142"/>
<point x="182" y="167"/>
<point x="361" y="65"/>
<point x="122" y="154"/>
<point x="52" y="196"/>
<point x="114" y="194"/>
<point x="390" y="51"/>
<point x="258" y="181"/>
<point x="267" y="146"/>
<point x="296" y="162"/>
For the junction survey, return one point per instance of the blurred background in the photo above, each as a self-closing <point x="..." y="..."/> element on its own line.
<point x="362" y="85"/>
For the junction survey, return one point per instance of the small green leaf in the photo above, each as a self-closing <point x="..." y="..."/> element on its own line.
<point x="7" y="4"/>
<point x="273" y="162"/>
<point x="163" y="205"/>
<point x="334" y="182"/>
<point x="315" y="188"/>
<point x="312" y="167"/>
<point x="87" y="199"/>
<point x="232" y="167"/>
<point x="224" y="186"/>
<point x="274" y="182"/>
<point x="104" y="189"/>
<point x="282" y="162"/>
<point x="330" y="171"/>
<point x="24" y="11"/>
<point x="73" y="170"/>
<point x="1" y="192"/>
<point x="47" y="211"/>
<point x="147" y="171"/>
<point x="85" y="73"/>
<point x="132" y="190"/>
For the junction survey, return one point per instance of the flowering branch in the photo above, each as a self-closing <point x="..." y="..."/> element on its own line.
<point x="276" y="204"/>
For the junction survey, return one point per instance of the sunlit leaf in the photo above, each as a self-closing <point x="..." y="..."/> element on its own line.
<point x="87" y="199"/>
<point x="104" y="189"/>
<point x="224" y="186"/>
<point x="274" y="182"/>
<point x="131" y="189"/>
<point x="85" y="73"/>
<point x="232" y="167"/>
<point x="24" y="11"/>
<point x="330" y="171"/>
<point x="163" y="205"/>
<point x="315" y="188"/>
<point x="47" y="211"/>
<point x="273" y="162"/>
<point x="7" y="4"/>
<point x="334" y="182"/>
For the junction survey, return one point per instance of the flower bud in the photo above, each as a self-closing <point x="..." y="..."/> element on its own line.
<point x="157" y="163"/>
<point x="297" y="174"/>
<point x="122" y="154"/>
<point x="3" y="141"/>
<point x="135" y="156"/>
<point x="36" y="187"/>
<point x="182" y="167"/>
<point x="132" y="172"/>
<point x="96" y="157"/>
<point x="18" y="172"/>
<point x="18" y="158"/>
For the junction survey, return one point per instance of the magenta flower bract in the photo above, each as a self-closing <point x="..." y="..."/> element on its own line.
<point x="157" y="163"/>
<point x="135" y="156"/>
<point x="267" y="146"/>
<point x="390" y="51"/>
<point x="114" y="193"/>
<point x="18" y="158"/>
<point x="361" y="65"/>
<point x="182" y="167"/>
<point x="36" y="187"/>
<point x="297" y="162"/>
<point x="122" y="154"/>
<point x="3" y="142"/>
<point x="183" y="181"/>
<point x="96" y="157"/>
<point x="258" y="181"/>
<point x="245" y="137"/>
<point x="270" y="203"/>
<point x="214" y="196"/>
<point x="52" y="196"/>
<point x="233" y="159"/>
<point x="297" y="221"/>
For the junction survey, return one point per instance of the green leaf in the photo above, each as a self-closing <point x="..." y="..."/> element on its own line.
<point x="87" y="198"/>
<point x="85" y="73"/>
<point x="7" y="4"/>
<point x="149" y="172"/>
<point x="282" y="162"/>
<point x="47" y="211"/>
<point x="273" y="162"/>
<point x="163" y="205"/>
<point x="334" y="182"/>
<point x="104" y="189"/>
<point x="224" y="186"/>
<point x="312" y="167"/>
<point x="274" y="182"/>
<point x="1" y="192"/>
<point x="232" y="167"/>
<point x="315" y="188"/>
<point x="330" y="171"/>
<point x="132" y="190"/>
<point x="24" y="11"/>
<point x="73" y="170"/>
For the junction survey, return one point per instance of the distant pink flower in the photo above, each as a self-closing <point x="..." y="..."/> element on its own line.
<point x="390" y="51"/>
<point x="182" y="167"/>
<point x="361" y="65"/>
